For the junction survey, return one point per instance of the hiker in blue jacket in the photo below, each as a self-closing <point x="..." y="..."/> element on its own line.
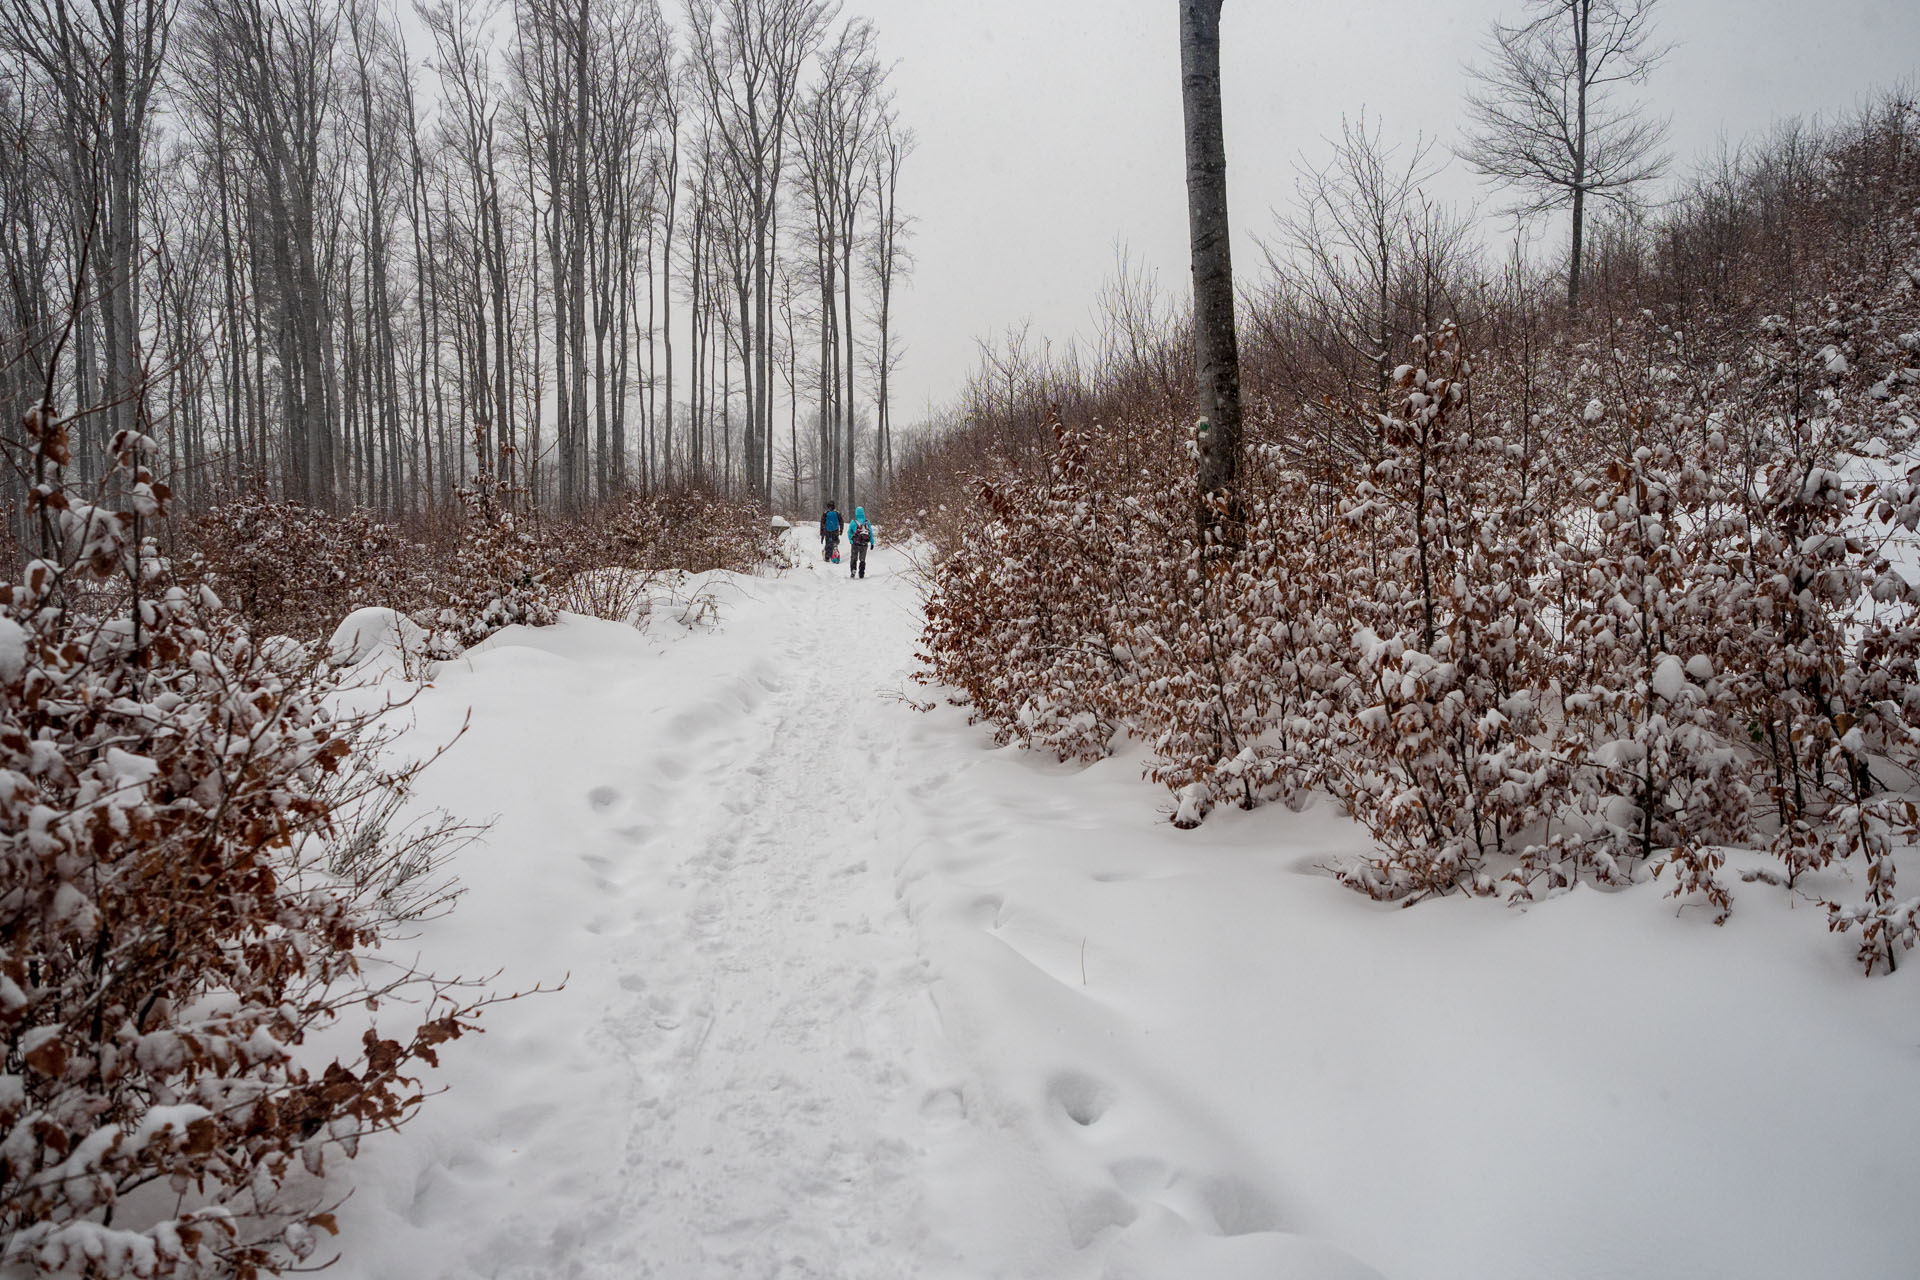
<point x="859" y="537"/>
<point x="830" y="532"/>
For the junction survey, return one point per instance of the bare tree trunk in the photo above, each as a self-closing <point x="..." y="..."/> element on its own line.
<point x="1216" y="347"/>
<point x="1582" y="15"/>
<point x="577" y="249"/>
<point x="846" y="389"/>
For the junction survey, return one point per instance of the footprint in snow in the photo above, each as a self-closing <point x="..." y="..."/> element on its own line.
<point x="1080" y="1097"/>
<point x="945" y="1106"/>
<point x="1096" y="1212"/>
<point x="986" y="911"/>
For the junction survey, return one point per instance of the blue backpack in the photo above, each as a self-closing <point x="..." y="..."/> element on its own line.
<point x="831" y="522"/>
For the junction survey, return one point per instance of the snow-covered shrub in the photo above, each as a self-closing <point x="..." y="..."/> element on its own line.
<point x="1441" y="757"/>
<point x="499" y="574"/>
<point x="1025" y="617"/>
<point x="1638" y="585"/>
<point x="393" y="862"/>
<point x="169" y="936"/>
<point x="607" y="563"/>
<point x="1642" y="584"/>
<point x="694" y="530"/>
<point x="294" y="570"/>
<point x="289" y="569"/>
<point x="614" y="594"/>
<point x="1240" y="687"/>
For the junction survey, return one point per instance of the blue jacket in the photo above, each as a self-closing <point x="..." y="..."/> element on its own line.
<point x="860" y="522"/>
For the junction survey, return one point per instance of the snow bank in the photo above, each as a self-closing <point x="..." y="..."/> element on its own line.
<point x="367" y="634"/>
<point x="1203" y="1025"/>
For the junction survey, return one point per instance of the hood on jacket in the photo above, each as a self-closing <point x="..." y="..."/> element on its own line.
<point x="859" y="513"/>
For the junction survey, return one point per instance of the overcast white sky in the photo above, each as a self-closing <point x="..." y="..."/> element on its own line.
<point x="1050" y="129"/>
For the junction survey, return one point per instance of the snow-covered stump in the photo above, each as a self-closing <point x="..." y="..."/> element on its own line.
<point x="373" y="634"/>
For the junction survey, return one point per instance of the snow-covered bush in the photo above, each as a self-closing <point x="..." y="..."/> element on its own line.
<point x="498" y="575"/>
<point x="1239" y="681"/>
<point x="289" y="569"/>
<point x="1621" y="591"/>
<point x="169" y="933"/>
<point x="1442" y="755"/>
<point x="1640" y="579"/>
<point x="609" y="561"/>
<point x="1030" y="618"/>
<point x="293" y="570"/>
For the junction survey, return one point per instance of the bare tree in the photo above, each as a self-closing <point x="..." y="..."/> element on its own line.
<point x="389" y="252"/>
<point x="264" y="75"/>
<point x="1547" y="118"/>
<point x="666" y="200"/>
<point x="749" y="56"/>
<point x="889" y="262"/>
<point x="470" y="140"/>
<point x="1216" y="346"/>
<point x="100" y="63"/>
<point x="1349" y="239"/>
<point x="1365" y="262"/>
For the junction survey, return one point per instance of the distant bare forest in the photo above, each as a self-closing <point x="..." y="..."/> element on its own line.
<point x="348" y="257"/>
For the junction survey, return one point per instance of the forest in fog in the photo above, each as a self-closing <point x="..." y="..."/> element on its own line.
<point x="348" y="255"/>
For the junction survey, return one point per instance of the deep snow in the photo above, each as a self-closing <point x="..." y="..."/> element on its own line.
<point x="852" y="993"/>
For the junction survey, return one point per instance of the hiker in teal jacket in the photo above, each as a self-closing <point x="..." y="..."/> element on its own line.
<point x="859" y="537"/>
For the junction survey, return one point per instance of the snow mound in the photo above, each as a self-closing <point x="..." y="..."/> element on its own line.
<point x="13" y="649"/>
<point x="1670" y="679"/>
<point x="285" y="652"/>
<point x="367" y="633"/>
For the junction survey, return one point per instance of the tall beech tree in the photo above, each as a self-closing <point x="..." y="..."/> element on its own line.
<point x="1216" y="346"/>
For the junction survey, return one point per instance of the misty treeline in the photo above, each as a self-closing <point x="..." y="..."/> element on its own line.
<point x="1539" y="595"/>
<point x="351" y="255"/>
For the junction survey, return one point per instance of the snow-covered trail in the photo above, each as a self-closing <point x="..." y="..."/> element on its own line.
<point x="772" y="1039"/>
<point x="853" y="993"/>
<point x="722" y="1089"/>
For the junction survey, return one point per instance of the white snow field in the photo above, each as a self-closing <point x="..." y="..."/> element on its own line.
<point x="853" y="993"/>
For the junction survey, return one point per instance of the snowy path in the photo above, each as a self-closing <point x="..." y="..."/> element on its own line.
<point x="852" y="993"/>
<point x="770" y="1055"/>
<point x="731" y="1048"/>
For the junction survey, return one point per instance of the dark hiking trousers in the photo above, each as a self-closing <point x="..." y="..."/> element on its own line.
<point x="859" y="562"/>
<point x="833" y="545"/>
